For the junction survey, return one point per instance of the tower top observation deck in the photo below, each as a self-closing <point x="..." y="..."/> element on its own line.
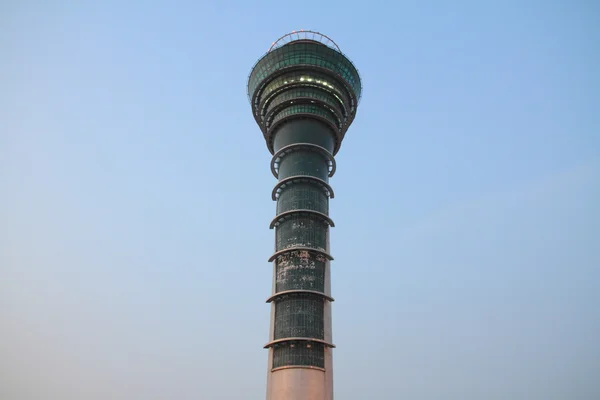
<point x="304" y="75"/>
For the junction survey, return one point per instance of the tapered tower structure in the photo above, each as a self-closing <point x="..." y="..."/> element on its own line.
<point x="304" y="93"/>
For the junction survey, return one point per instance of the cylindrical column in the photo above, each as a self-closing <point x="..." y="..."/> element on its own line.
<point x="304" y="93"/>
<point x="300" y="345"/>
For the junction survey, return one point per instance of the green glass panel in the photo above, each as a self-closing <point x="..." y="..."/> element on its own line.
<point x="305" y="54"/>
<point x="302" y="230"/>
<point x="304" y="162"/>
<point x="307" y="80"/>
<point x="299" y="316"/>
<point x="304" y="131"/>
<point x="302" y="196"/>
<point x="299" y="354"/>
<point x="300" y="270"/>
<point x="292" y="95"/>
<point x="306" y="109"/>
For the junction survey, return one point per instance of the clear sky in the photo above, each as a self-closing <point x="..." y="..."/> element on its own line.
<point x="135" y="200"/>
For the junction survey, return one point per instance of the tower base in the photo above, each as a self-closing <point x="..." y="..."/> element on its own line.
<point x="295" y="383"/>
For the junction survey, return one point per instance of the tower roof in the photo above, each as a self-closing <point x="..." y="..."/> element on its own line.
<point x="305" y="36"/>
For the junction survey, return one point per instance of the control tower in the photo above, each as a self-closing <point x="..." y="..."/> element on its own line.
<point x="304" y="92"/>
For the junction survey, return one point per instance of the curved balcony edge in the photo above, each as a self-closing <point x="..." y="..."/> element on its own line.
<point x="298" y="366"/>
<point x="274" y="110"/>
<point x="285" y="214"/>
<point x="299" y="146"/>
<point x="298" y="339"/>
<point x="306" y="178"/>
<point x="300" y="248"/>
<point x="260" y="85"/>
<point x="299" y="291"/>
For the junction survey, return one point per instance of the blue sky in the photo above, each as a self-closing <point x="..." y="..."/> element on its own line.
<point x="135" y="200"/>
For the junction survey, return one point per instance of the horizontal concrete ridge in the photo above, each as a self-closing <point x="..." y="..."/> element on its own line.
<point x="300" y="248"/>
<point x="298" y="366"/>
<point x="276" y="159"/>
<point x="302" y="178"/>
<point x="299" y="291"/>
<point x="298" y="339"/>
<point x="289" y="213"/>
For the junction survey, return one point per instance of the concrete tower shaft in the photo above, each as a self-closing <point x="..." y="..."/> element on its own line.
<point x="304" y="93"/>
